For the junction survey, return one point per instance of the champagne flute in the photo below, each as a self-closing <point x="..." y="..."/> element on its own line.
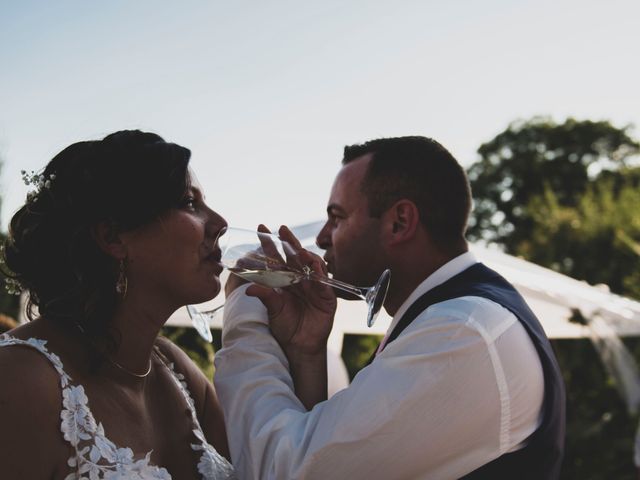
<point x="267" y="260"/>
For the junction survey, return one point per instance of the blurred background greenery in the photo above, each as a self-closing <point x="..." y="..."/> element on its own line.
<point x="564" y="196"/>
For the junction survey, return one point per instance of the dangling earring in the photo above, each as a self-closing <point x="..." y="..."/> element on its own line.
<point x="121" y="284"/>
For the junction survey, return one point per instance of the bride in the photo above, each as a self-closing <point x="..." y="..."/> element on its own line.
<point x="114" y="237"/>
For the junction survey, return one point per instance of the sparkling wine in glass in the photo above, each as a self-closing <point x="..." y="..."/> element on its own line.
<point x="267" y="260"/>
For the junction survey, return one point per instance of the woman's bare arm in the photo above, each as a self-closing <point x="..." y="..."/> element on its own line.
<point x="30" y="405"/>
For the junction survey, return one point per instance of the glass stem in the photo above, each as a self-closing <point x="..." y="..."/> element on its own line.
<point x="211" y="313"/>
<point x="357" y="291"/>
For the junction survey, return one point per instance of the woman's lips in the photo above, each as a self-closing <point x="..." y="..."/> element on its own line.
<point x="214" y="258"/>
<point x="214" y="261"/>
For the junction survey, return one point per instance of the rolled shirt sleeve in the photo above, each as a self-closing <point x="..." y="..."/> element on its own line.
<point x="450" y="394"/>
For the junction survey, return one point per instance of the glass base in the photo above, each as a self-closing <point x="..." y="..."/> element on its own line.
<point x="200" y="323"/>
<point x="376" y="296"/>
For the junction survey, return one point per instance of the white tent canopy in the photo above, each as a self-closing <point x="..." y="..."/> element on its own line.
<point x="551" y="295"/>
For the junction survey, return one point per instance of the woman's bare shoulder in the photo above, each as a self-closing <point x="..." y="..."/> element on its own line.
<point x="30" y="402"/>
<point x="27" y="375"/>
<point x="27" y="352"/>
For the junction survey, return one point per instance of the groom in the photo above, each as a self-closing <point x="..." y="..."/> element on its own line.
<point x="463" y="385"/>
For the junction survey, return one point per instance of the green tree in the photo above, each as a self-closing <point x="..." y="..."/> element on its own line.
<point x="597" y="240"/>
<point x="566" y="196"/>
<point x="9" y="304"/>
<point x="529" y="156"/>
<point x="600" y="432"/>
<point x="357" y="351"/>
<point x="198" y="349"/>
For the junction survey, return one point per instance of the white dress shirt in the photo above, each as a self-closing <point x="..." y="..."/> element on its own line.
<point x="459" y="387"/>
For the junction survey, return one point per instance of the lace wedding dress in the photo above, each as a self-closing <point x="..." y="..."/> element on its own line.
<point x="97" y="457"/>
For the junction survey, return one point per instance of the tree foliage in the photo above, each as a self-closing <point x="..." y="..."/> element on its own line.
<point x="198" y="349"/>
<point x="534" y="155"/>
<point x="9" y="304"/>
<point x="597" y="240"/>
<point x="600" y="432"/>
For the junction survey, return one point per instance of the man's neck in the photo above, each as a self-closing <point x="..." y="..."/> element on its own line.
<point x="408" y="275"/>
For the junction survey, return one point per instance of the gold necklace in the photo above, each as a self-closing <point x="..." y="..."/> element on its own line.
<point x="126" y="370"/>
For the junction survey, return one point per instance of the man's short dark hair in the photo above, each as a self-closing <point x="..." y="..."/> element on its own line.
<point x="423" y="171"/>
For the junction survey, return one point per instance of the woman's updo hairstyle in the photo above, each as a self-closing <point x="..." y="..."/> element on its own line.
<point x="128" y="179"/>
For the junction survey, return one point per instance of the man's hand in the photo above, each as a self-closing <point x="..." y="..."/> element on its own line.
<point x="233" y="282"/>
<point x="300" y="316"/>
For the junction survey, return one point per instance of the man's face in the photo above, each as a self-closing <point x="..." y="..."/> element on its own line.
<point x="351" y="238"/>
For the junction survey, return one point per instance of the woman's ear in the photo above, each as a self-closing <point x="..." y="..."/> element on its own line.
<point x="402" y="220"/>
<point x="109" y="240"/>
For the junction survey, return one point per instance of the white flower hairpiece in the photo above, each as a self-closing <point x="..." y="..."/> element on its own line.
<point x="37" y="180"/>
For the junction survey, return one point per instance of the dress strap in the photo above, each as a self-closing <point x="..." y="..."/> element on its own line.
<point x="39" y="345"/>
<point x="210" y="460"/>
<point x="181" y="383"/>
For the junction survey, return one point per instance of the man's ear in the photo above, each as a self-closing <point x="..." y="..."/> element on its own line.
<point x="109" y="240"/>
<point x="402" y="220"/>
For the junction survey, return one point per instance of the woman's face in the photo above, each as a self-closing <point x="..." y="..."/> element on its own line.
<point x="175" y="259"/>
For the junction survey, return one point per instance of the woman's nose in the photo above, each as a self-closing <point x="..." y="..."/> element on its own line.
<point x="215" y="223"/>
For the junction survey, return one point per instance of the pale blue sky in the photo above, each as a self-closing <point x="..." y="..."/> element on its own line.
<point x="266" y="94"/>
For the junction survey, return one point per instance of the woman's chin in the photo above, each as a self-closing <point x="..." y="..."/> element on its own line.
<point x="214" y="290"/>
<point x="206" y="294"/>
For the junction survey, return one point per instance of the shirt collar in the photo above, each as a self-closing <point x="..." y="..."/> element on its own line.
<point x="450" y="269"/>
